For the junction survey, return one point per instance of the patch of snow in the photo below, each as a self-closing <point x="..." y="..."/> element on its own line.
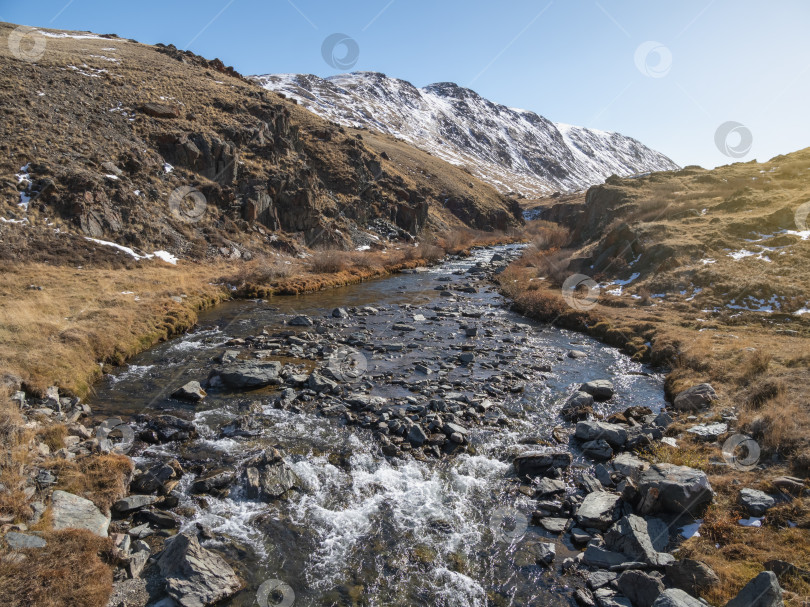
<point x="167" y="168"/>
<point x="112" y="177"/>
<point x="364" y="247"/>
<point x="104" y="58"/>
<point x="74" y="36"/>
<point x="754" y="521"/>
<point x="23" y="220"/>
<point x="707" y="261"/>
<point x="689" y="531"/>
<point x="164" y="255"/>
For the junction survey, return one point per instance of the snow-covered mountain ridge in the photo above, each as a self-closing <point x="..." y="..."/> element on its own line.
<point x="515" y="150"/>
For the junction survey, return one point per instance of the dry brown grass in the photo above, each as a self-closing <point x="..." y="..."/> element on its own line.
<point x="73" y="570"/>
<point x="83" y="317"/>
<point x="103" y="479"/>
<point x="14" y="455"/>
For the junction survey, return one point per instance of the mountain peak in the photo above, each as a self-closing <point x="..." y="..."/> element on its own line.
<point x="515" y="150"/>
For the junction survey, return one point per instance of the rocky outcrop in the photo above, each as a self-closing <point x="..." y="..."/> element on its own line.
<point x="676" y="489"/>
<point x="194" y="576"/>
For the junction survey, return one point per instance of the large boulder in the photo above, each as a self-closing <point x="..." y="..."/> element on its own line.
<point x="614" y="434"/>
<point x="762" y="591"/>
<point x="676" y="598"/>
<point x="598" y="450"/>
<point x="541" y="464"/>
<point x="695" y="398"/>
<point x="691" y="576"/>
<point x="195" y="576"/>
<point x="70" y="511"/>
<point x="599" y="510"/>
<point x="630" y="536"/>
<point x="676" y="489"/>
<point x="251" y="374"/>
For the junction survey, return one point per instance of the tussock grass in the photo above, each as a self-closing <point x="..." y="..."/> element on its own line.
<point x="103" y="479"/>
<point x="73" y="570"/>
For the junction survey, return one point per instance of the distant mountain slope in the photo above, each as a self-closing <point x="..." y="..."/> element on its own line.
<point x="512" y="149"/>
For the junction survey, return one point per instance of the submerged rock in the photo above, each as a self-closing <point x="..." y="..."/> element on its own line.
<point x="249" y="375"/>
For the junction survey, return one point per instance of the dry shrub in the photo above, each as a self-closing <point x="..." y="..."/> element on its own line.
<point x="780" y="424"/>
<point x="102" y="479"/>
<point x="329" y="261"/>
<point x="425" y="251"/>
<point x="456" y="240"/>
<point x="71" y="571"/>
<point x="263" y="270"/>
<point x="763" y="390"/>
<point x="755" y="364"/>
<point x="720" y="525"/>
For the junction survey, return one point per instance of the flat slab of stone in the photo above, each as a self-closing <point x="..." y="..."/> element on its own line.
<point x="251" y="374"/>
<point x="539" y="464"/>
<point x="598" y="510"/>
<point x="70" y="511"/>
<point x="21" y="541"/>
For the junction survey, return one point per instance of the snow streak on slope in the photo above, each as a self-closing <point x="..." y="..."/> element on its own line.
<point x="511" y="148"/>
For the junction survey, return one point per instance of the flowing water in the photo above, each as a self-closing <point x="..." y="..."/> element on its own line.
<point x="367" y="529"/>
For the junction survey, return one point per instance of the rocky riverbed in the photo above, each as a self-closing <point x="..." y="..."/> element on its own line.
<point x="406" y="441"/>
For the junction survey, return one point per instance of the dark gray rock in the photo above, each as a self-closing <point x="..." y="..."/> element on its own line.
<point x="614" y="434"/>
<point x="762" y="591"/>
<point x="133" y="503"/>
<point x="191" y="392"/>
<point x="675" y="489"/>
<point x="251" y="374"/>
<point x="630" y="537"/>
<point x="695" y="398"/>
<point x="641" y="588"/>
<point x="676" y="598"/>
<point x="596" y="555"/>
<point x="691" y="576"/>
<point x="755" y="502"/>
<point x="301" y="321"/>
<point x="600" y="389"/>
<point x="195" y="576"/>
<point x="213" y="481"/>
<point x="598" y="510"/>
<point x="540" y="464"/>
<point x="597" y="449"/>
<point x="417" y="436"/>
<point x="319" y="383"/>
<point x="152" y="479"/>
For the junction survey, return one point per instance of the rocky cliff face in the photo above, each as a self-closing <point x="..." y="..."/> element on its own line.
<point x="510" y="148"/>
<point x="150" y="146"/>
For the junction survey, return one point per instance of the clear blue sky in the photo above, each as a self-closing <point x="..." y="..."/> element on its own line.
<point x="572" y="61"/>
